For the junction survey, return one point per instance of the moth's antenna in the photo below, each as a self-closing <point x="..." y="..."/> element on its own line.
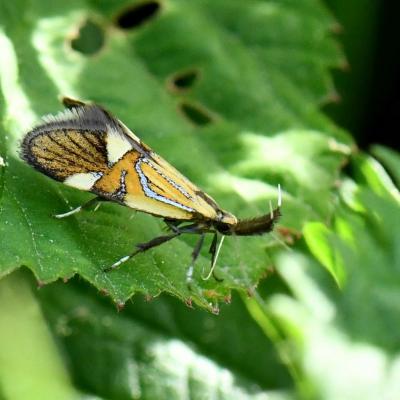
<point x="279" y="195"/>
<point x="214" y="260"/>
<point x="276" y="237"/>
<point x="271" y="211"/>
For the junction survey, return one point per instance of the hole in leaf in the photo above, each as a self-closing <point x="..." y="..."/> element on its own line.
<point x="197" y="114"/>
<point x="183" y="80"/>
<point x="90" y="38"/>
<point x="137" y="15"/>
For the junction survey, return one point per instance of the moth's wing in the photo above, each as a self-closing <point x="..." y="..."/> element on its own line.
<point x="139" y="181"/>
<point x="87" y="148"/>
<point x="169" y="193"/>
<point x="134" y="183"/>
<point x="174" y="185"/>
<point x="73" y="146"/>
<point x="196" y="198"/>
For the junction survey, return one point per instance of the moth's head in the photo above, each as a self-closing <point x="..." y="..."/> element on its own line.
<point x="225" y="222"/>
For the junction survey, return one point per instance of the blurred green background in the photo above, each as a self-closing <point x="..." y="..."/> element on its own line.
<point x="240" y="96"/>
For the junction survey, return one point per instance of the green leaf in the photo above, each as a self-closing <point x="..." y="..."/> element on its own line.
<point x="376" y="204"/>
<point x="324" y="246"/>
<point x="161" y="350"/>
<point x="390" y="159"/>
<point x="370" y="172"/>
<point x="28" y="353"/>
<point x="344" y="339"/>
<point x="253" y="102"/>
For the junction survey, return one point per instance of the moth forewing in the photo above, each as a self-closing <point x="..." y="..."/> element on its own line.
<point x="87" y="148"/>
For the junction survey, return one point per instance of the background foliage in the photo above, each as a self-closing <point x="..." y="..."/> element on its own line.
<point x="230" y="93"/>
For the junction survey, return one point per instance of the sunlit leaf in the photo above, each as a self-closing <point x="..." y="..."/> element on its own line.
<point x="390" y="159"/>
<point x="345" y="338"/>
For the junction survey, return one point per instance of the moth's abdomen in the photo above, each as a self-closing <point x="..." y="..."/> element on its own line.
<point x="65" y="153"/>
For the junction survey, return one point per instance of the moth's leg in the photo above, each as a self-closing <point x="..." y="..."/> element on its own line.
<point x="142" y="247"/>
<point x="213" y="247"/>
<point x="172" y="224"/>
<point x="195" y="255"/>
<point x="80" y="208"/>
<point x="214" y="251"/>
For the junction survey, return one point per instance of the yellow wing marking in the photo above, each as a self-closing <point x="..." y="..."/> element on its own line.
<point x="197" y="197"/>
<point x="134" y="194"/>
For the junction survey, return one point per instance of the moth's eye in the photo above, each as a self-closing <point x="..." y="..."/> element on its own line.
<point x="222" y="227"/>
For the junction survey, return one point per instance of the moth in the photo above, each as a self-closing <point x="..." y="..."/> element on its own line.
<point x="86" y="147"/>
